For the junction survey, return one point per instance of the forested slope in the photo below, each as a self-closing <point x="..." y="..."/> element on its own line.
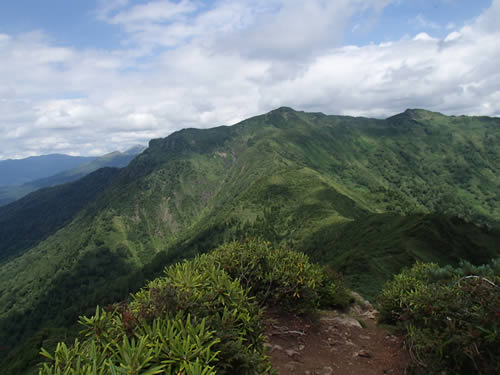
<point x="365" y="195"/>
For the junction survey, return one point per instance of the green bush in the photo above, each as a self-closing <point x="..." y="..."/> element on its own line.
<point x="450" y="317"/>
<point x="165" y="346"/>
<point x="195" y="320"/>
<point x="280" y="277"/>
<point x="199" y="318"/>
<point x="396" y="298"/>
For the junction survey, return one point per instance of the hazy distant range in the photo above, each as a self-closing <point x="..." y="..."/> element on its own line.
<point x="19" y="177"/>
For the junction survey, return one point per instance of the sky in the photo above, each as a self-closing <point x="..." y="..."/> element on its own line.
<point x="87" y="77"/>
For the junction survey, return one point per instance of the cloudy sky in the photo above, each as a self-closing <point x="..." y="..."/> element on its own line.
<point x="88" y="77"/>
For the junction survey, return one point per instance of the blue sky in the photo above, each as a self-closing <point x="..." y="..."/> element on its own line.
<point x="406" y="17"/>
<point x="76" y="23"/>
<point x="88" y="77"/>
<point x="72" y="23"/>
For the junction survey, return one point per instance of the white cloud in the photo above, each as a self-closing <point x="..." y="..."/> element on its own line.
<point x="220" y="64"/>
<point x="421" y="22"/>
<point x="4" y="38"/>
<point x="488" y="21"/>
<point x="255" y="28"/>
<point x="155" y="11"/>
<point x="452" y="36"/>
<point x="378" y="80"/>
<point x="424" y="37"/>
<point x="106" y="7"/>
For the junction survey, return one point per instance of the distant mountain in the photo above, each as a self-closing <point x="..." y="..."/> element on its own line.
<point x="115" y="159"/>
<point x="365" y="196"/>
<point x="135" y="150"/>
<point x="21" y="171"/>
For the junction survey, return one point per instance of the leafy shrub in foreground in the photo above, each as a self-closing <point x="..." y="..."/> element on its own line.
<point x="396" y="298"/>
<point x="195" y="320"/>
<point x="280" y="277"/>
<point x="451" y="317"/>
<point x="165" y="346"/>
<point x="198" y="319"/>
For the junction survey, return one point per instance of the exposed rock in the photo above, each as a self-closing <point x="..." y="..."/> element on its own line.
<point x="370" y="314"/>
<point x="361" y="302"/>
<point x="391" y="338"/>
<point x="293" y="354"/>
<point x="327" y="371"/>
<point x="346" y="321"/>
<point x="362" y="353"/>
<point x="349" y="342"/>
<point x="362" y="307"/>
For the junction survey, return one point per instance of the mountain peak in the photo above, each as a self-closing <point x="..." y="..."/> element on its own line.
<point x="421" y="113"/>
<point x="283" y="109"/>
<point x="415" y="114"/>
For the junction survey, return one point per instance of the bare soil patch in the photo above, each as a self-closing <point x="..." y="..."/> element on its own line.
<point x="333" y="343"/>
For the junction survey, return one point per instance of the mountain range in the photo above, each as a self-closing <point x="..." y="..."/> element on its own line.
<point x="21" y="171"/>
<point x="39" y="171"/>
<point x="365" y="196"/>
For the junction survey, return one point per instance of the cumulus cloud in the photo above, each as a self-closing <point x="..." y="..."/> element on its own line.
<point x="254" y="28"/>
<point x="296" y="30"/>
<point x="189" y="64"/>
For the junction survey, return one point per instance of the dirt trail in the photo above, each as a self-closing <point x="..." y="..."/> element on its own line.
<point x="333" y="343"/>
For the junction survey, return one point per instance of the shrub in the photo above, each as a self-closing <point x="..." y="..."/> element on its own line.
<point x="280" y="277"/>
<point x="198" y="319"/>
<point x="195" y="320"/>
<point x="201" y="289"/>
<point x="165" y="346"/>
<point x="451" y="318"/>
<point x="395" y="299"/>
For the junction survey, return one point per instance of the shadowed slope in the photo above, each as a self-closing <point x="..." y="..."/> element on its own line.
<point x="35" y="217"/>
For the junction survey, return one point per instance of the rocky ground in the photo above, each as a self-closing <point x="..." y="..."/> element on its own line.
<point x="334" y="343"/>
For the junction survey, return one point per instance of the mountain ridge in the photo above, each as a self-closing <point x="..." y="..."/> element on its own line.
<point x="285" y="176"/>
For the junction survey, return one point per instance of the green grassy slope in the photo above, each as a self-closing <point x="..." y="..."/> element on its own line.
<point x="319" y="183"/>
<point x="370" y="250"/>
